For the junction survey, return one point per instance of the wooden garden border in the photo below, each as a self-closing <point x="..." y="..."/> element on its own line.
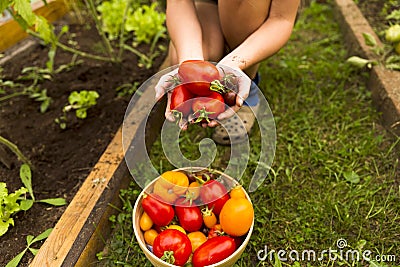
<point x="80" y="232"/>
<point x="384" y="84"/>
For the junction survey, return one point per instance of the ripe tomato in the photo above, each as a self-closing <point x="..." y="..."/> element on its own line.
<point x="189" y="215"/>
<point x="199" y="74"/>
<point x="214" y="194"/>
<point x="213" y="250"/>
<point x="196" y="239"/>
<point x="236" y="216"/>
<point x="237" y="192"/>
<point x="209" y="217"/>
<point x="177" y="227"/>
<point x="149" y="236"/>
<point x="171" y="185"/>
<point x="216" y="230"/>
<point x="181" y="100"/>
<point x="208" y="107"/>
<point x="160" y="212"/>
<point x="145" y="222"/>
<point x="172" y="246"/>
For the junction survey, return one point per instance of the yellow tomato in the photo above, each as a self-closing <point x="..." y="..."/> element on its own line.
<point x="149" y="236"/>
<point x="236" y="216"/>
<point x="170" y="185"/>
<point x="145" y="222"/>
<point x="177" y="227"/>
<point x="196" y="239"/>
<point x="237" y="192"/>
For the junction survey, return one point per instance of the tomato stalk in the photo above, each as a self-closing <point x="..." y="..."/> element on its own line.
<point x="168" y="257"/>
<point x="203" y="115"/>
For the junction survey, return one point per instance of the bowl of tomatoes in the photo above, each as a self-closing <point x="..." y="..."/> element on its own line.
<point x="193" y="217"/>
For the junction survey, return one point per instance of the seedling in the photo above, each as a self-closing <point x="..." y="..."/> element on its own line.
<point x="80" y="102"/>
<point x="30" y="240"/>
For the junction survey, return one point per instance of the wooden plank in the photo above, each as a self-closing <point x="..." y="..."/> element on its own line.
<point x="71" y="239"/>
<point x="11" y="32"/>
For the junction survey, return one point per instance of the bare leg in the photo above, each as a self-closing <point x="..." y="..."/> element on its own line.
<point x="239" y="19"/>
<point x="213" y="41"/>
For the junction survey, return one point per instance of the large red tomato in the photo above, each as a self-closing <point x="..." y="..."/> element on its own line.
<point x="198" y="74"/>
<point x="172" y="246"/>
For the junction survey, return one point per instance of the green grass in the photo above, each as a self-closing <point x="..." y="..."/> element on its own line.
<point x="335" y="173"/>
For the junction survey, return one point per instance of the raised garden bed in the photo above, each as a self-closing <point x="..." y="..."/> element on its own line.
<point x="95" y="181"/>
<point x="63" y="159"/>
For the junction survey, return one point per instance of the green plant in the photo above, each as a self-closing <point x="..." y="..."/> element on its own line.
<point x="11" y="204"/>
<point x="146" y="23"/>
<point x="80" y="102"/>
<point x="30" y="240"/>
<point x="384" y="54"/>
<point x="121" y="17"/>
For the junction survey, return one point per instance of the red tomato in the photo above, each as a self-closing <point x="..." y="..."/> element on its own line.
<point x="208" y="107"/>
<point x="160" y="213"/>
<point x="199" y="74"/>
<point x="213" y="250"/>
<point x="216" y="230"/>
<point x="172" y="246"/>
<point x="189" y="215"/>
<point x="215" y="195"/>
<point x="181" y="100"/>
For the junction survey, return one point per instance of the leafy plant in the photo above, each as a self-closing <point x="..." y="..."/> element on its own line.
<point x="80" y="102"/>
<point x="30" y="240"/>
<point x="11" y="204"/>
<point x="146" y="22"/>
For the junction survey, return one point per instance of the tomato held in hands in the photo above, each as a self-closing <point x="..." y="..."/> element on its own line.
<point x="181" y="100"/>
<point x="172" y="246"/>
<point x="215" y="195"/>
<point x="189" y="215"/>
<point x="236" y="216"/>
<point x="199" y="74"/>
<point x="160" y="212"/>
<point x="208" y="107"/>
<point x="213" y="250"/>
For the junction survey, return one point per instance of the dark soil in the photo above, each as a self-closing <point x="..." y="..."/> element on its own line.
<point x="62" y="159"/>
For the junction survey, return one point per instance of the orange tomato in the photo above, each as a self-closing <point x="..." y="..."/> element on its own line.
<point x="171" y="185"/>
<point x="149" y="236"/>
<point x="236" y="216"/>
<point x="145" y="222"/>
<point x="196" y="239"/>
<point x="237" y="192"/>
<point x="209" y="217"/>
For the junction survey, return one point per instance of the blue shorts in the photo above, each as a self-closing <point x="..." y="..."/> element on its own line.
<point x="252" y="99"/>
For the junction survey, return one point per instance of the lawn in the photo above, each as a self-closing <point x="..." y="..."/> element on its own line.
<point x="334" y="180"/>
